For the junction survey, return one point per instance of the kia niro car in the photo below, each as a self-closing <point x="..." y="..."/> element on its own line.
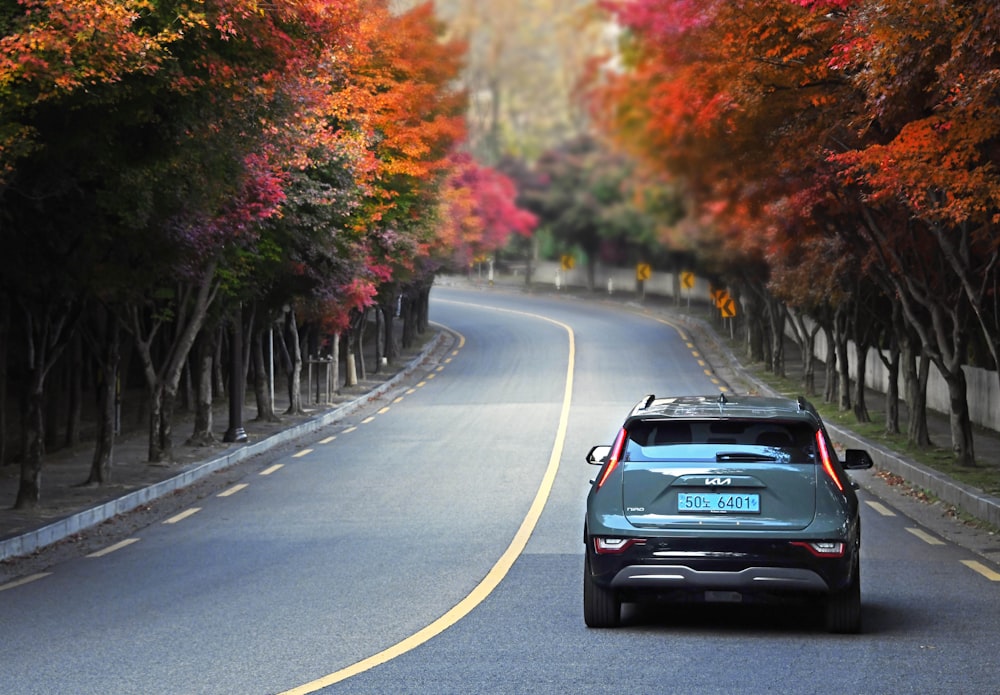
<point x="723" y="499"/>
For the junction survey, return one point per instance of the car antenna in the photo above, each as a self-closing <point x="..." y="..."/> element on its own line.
<point x="722" y="399"/>
<point x="647" y="400"/>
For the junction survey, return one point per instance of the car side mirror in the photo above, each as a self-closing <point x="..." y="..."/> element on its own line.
<point x="598" y="455"/>
<point x="857" y="459"/>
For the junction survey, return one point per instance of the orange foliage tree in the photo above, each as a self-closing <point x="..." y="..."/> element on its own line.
<point x="841" y="135"/>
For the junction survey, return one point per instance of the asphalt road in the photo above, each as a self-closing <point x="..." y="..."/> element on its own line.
<point x="432" y="544"/>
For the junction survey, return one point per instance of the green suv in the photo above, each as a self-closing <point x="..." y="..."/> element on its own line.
<point x="723" y="499"/>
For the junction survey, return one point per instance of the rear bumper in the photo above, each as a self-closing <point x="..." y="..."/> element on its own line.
<point x="748" y="566"/>
<point x="659" y="578"/>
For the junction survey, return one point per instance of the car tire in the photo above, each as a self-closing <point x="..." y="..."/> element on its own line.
<point x="843" y="608"/>
<point x="601" y="607"/>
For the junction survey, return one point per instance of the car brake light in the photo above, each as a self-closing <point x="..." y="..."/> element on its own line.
<point x="610" y="546"/>
<point x="824" y="455"/>
<point x="614" y="456"/>
<point x="822" y="548"/>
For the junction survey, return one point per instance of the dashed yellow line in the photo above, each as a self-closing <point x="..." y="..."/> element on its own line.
<point x="880" y="508"/>
<point x="349" y="430"/>
<point x="183" y="515"/>
<point x="112" y="548"/>
<point x="925" y="537"/>
<point x="276" y="467"/>
<point x="24" y="580"/>
<point x="299" y="454"/>
<point x="383" y="411"/>
<point x="982" y="569"/>
<point x="367" y="419"/>
<point x="233" y="490"/>
<point x="327" y="440"/>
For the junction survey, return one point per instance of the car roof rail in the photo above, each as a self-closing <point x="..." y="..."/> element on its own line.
<point x="646" y="401"/>
<point x="807" y="406"/>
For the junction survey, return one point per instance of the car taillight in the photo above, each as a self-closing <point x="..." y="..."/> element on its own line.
<point x="614" y="456"/>
<point x="610" y="546"/>
<point x="824" y="457"/>
<point x="822" y="548"/>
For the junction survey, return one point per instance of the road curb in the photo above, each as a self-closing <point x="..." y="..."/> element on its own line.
<point x="36" y="539"/>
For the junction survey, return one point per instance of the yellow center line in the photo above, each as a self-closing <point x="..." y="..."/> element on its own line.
<point x="24" y="580"/>
<point x="272" y="469"/>
<point x="327" y="440"/>
<point x="183" y="515"/>
<point x="367" y="419"/>
<point x="348" y="430"/>
<point x="112" y="548"/>
<point x="982" y="569"/>
<point x="300" y="454"/>
<point x="383" y="411"/>
<point x="502" y="566"/>
<point x="925" y="537"/>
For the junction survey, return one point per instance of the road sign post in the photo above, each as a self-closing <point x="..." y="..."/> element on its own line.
<point x="643" y="271"/>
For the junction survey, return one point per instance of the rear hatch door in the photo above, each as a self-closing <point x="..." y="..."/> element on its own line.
<point x="704" y="486"/>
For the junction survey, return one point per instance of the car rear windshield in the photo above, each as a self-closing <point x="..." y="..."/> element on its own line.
<point x="653" y="439"/>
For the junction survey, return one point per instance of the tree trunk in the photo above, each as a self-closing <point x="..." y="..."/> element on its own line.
<point x="165" y="432"/>
<point x="335" y="362"/>
<point x="261" y="380"/>
<point x="776" y="319"/>
<point x="892" y="391"/>
<point x="755" y="337"/>
<point x="843" y="366"/>
<point x="30" y="488"/>
<point x="102" y="461"/>
<point x="916" y="372"/>
<point x="203" y="401"/>
<point x="74" y="410"/>
<point x="860" y="406"/>
<point x="294" y="365"/>
<point x="379" y="337"/>
<point x="961" y="424"/>
<point x="391" y="350"/>
<point x="359" y="343"/>
<point x="830" y="391"/>
<point x="47" y="332"/>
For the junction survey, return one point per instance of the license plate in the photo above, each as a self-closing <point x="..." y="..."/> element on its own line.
<point x="718" y="503"/>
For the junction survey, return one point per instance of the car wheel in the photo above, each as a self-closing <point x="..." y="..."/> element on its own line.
<point x="843" y="608"/>
<point x="601" y="607"/>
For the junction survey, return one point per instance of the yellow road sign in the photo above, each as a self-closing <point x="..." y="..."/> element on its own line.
<point x="728" y="307"/>
<point x="719" y="295"/>
<point x="687" y="280"/>
<point x="643" y="271"/>
<point x="567" y="262"/>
